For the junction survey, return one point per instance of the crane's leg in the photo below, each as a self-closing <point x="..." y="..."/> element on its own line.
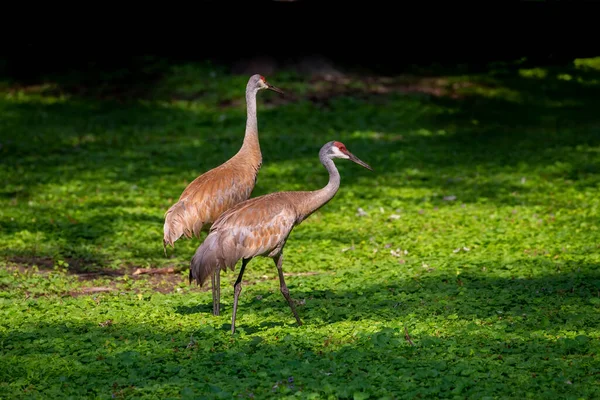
<point x="216" y="291"/>
<point x="284" y="290"/>
<point x="237" y="289"/>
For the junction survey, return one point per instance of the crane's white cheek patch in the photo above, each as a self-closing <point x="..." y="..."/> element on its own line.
<point x="338" y="153"/>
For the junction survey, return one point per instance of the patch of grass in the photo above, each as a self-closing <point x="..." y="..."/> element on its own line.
<point x="465" y="265"/>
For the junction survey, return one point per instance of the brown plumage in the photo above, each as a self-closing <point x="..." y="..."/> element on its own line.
<point x="261" y="226"/>
<point x="217" y="190"/>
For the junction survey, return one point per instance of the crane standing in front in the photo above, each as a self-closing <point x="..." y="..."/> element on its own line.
<point x="215" y="191"/>
<point x="261" y="226"/>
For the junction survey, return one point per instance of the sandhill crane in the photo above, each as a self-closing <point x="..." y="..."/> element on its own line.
<point x="260" y="227"/>
<point x="215" y="191"/>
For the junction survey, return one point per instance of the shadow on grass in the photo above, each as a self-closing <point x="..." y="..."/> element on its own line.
<point x="473" y="336"/>
<point x="470" y="296"/>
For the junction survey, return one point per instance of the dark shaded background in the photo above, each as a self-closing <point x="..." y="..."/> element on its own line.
<point x="383" y="37"/>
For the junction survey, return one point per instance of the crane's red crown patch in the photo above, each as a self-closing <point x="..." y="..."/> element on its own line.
<point x="340" y="146"/>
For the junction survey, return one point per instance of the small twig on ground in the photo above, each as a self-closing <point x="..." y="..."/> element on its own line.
<point x="99" y="273"/>
<point x="407" y="336"/>
<point x="97" y="289"/>
<point x="154" y="271"/>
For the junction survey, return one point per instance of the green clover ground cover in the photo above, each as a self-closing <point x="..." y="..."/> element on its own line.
<point x="465" y="265"/>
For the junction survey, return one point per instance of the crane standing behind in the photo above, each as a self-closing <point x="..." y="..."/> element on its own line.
<point x="260" y="227"/>
<point x="215" y="191"/>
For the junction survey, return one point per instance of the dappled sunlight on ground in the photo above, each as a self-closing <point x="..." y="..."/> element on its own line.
<point x="465" y="264"/>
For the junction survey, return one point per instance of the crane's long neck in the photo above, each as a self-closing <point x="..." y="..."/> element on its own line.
<point x="319" y="198"/>
<point x="251" y="144"/>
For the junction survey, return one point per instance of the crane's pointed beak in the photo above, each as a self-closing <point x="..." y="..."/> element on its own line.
<point x="275" y="89"/>
<point x="359" y="161"/>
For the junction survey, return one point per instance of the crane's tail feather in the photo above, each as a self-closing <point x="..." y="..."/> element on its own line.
<point x="214" y="254"/>
<point x="180" y="219"/>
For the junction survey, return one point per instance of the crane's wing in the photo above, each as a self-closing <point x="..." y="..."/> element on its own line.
<point x="205" y="199"/>
<point x="258" y="225"/>
<point x="219" y="192"/>
<point x="252" y="228"/>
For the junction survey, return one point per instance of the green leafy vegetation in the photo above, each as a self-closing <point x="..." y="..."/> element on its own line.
<point x="465" y="265"/>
